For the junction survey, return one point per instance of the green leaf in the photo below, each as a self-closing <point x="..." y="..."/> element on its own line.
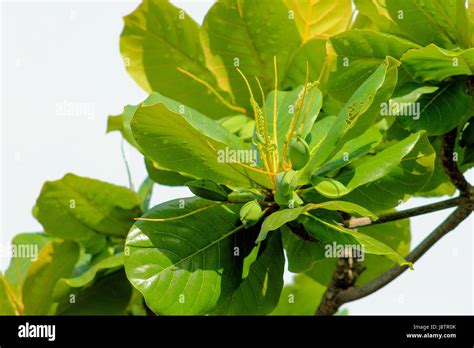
<point x="281" y="217"/>
<point x="359" y="113"/>
<point x="239" y="125"/>
<point x="159" y="38"/>
<point x="136" y="306"/>
<point x="351" y="151"/>
<point x="470" y="22"/>
<point x="433" y="63"/>
<point x="359" y="54"/>
<point x="277" y="220"/>
<point x="328" y="233"/>
<point x="409" y="162"/>
<point x="439" y="183"/>
<point x="319" y="132"/>
<point x="77" y="208"/>
<point x="320" y="17"/>
<point x="323" y="270"/>
<point x="362" y="22"/>
<point x="258" y="293"/>
<point x="347" y="207"/>
<point x="8" y="304"/>
<point x="250" y="258"/>
<point x="184" y="266"/>
<point x="25" y="249"/>
<point x="247" y="35"/>
<point x="64" y="285"/>
<point x="164" y="176"/>
<point x="208" y="189"/>
<point x="183" y="140"/>
<point x="234" y="123"/>
<point x="127" y="116"/>
<point x="301" y="254"/>
<point x="395" y="235"/>
<point x="300" y="298"/>
<point x="441" y="111"/>
<point x="375" y="12"/>
<point x="121" y="123"/>
<point x="443" y="22"/>
<point x="312" y="54"/>
<point x="409" y="92"/>
<point x="410" y="176"/>
<point x="114" y="123"/>
<point x="144" y="193"/>
<point x="95" y="245"/>
<point x="109" y="295"/>
<point x="55" y="261"/>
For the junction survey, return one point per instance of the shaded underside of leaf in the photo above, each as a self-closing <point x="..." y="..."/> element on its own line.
<point x="258" y="293"/>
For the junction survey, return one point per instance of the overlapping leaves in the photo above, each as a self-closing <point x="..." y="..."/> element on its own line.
<point x="196" y="263"/>
<point x="196" y="256"/>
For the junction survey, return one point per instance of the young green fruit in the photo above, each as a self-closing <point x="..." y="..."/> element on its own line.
<point x="208" y="189"/>
<point x="244" y="196"/>
<point x="299" y="152"/>
<point x="286" y="183"/>
<point x="250" y="213"/>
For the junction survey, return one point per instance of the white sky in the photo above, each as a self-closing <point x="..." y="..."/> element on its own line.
<point x="54" y="53"/>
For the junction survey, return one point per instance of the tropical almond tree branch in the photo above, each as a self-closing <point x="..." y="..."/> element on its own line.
<point x="355" y="293"/>
<point x="336" y="295"/>
<point x="450" y="167"/>
<point x="403" y="214"/>
<point x="346" y="273"/>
